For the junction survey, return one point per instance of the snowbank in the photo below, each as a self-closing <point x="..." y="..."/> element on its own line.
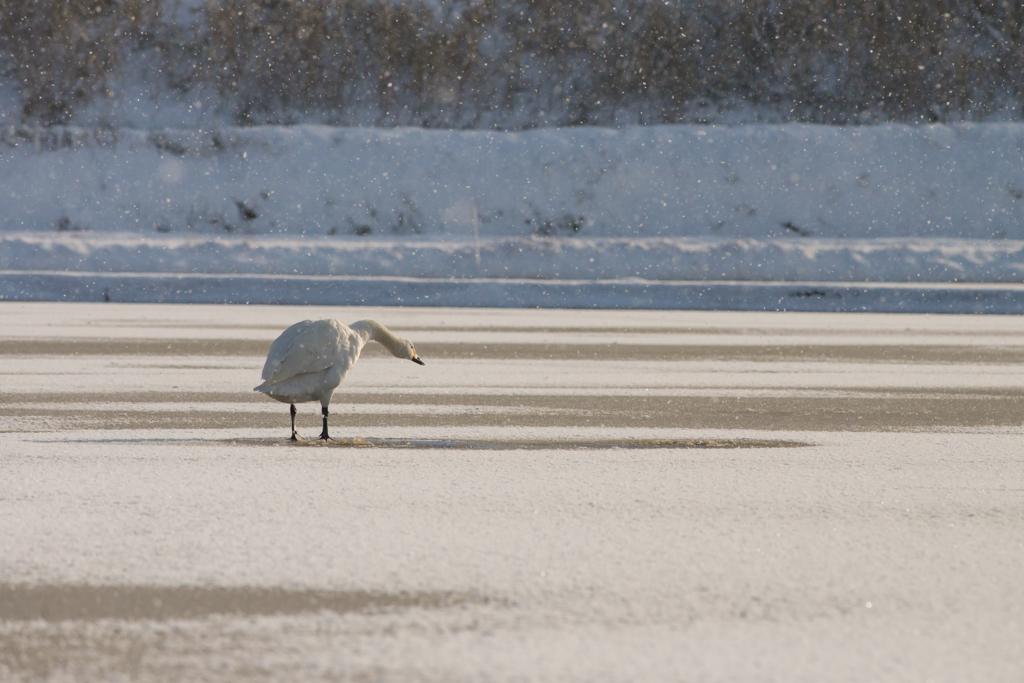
<point x="548" y="258"/>
<point x="903" y="204"/>
<point x="793" y="181"/>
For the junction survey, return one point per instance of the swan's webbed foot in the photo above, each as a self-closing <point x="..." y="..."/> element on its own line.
<point x="324" y="435"/>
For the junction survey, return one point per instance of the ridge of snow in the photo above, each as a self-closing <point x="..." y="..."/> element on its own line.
<point x="881" y="260"/>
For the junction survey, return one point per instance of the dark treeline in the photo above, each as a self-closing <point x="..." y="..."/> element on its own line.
<point x="519" y="64"/>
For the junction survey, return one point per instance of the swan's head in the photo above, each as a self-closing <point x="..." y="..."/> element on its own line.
<point x="407" y="351"/>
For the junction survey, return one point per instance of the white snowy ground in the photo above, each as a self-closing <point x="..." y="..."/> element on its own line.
<point x="133" y="454"/>
<point x="892" y="203"/>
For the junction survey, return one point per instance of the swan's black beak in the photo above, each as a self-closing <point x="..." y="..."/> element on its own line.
<point x="417" y="361"/>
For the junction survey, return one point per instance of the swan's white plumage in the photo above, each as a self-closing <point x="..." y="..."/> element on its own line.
<point x="310" y="359"/>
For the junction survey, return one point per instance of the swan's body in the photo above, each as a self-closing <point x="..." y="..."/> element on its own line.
<point x="310" y="359"/>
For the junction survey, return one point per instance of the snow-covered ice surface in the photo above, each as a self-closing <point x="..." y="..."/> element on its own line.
<point x="158" y="525"/>
<point x="897" y="204"/>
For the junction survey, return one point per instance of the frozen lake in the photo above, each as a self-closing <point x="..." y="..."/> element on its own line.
<point x="556" y="495"/>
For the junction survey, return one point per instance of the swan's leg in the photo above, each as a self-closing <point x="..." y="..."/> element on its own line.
<point x="294" y="437"/>
<point x="324" y="435"/>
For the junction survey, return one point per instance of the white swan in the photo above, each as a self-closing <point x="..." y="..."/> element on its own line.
<point x="309" y="360"/>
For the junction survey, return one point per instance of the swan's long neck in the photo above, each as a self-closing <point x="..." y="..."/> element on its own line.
<point x="378" y="333"/>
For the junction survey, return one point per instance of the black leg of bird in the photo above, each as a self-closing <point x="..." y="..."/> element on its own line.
<point x="324" y="435"/>
<point x="294" y="436"/>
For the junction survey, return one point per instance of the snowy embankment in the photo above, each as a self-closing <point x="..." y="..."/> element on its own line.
<point x="662" y="258"/>
<point x="899" y="204"/>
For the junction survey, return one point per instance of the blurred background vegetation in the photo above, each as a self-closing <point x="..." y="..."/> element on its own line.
<point x="520" y="64"/>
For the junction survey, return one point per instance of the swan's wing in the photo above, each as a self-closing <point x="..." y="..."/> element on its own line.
<point x="279" y="349"/>
<point x="308" y="347"/>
